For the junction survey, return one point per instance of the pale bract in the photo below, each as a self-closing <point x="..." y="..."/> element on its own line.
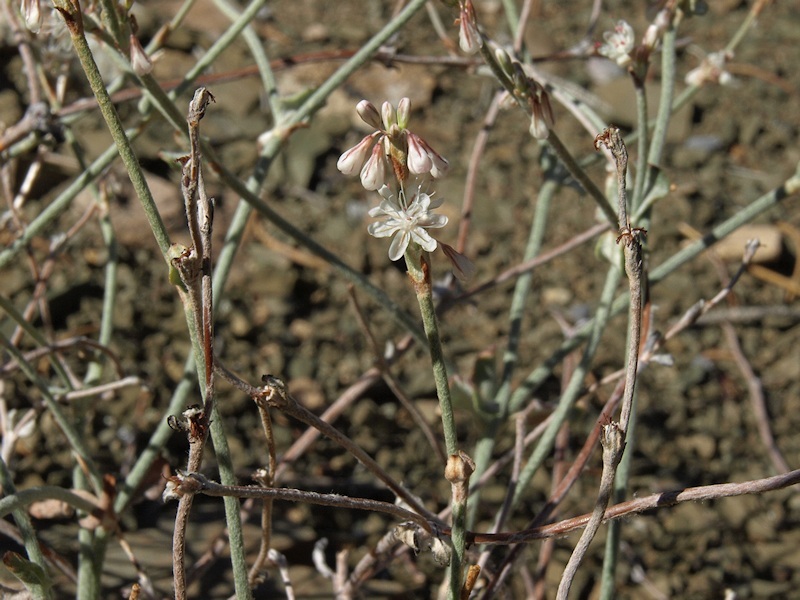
<point x="406" y="221"/>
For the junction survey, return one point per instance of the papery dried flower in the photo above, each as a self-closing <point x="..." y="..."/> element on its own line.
<point x="542" y="119"/>
<point x="141" y="63"/>
<point x="407" y="221"/>
<point x="469" y="38"/>
<point x="529" y="90"/>
<point x="463" y="268"/>
<point x="711" y="70"/>
<point x="619" y="44"/>
<point x="390" y="149"/>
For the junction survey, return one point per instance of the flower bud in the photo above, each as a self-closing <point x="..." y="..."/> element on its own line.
<point x="142" y="65"/>
<point x="32" y="13"/>
<point x="373" y="175"/>
<point x="388" y="115"/>
<point x="369" y="114"/>
<point x="403" y="112"/>
<point x="469" y="38"/>
<point x="353" y="159"/>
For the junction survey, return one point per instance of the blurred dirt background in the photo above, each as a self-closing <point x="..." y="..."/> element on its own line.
<point x="286" y="313"/>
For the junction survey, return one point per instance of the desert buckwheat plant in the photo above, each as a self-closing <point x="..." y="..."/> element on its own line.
<point x="366" y="299"/>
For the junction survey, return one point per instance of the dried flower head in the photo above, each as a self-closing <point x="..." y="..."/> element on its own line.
<point x="406" y="220"/>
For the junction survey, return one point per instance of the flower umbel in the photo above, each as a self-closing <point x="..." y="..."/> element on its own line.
<point x="392" y="149"/>
<point x="408" y="220"/>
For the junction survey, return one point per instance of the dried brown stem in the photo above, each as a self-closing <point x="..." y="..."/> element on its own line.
<point x="195" y="483"/>
<point x="613" y="439"/>
<point x="639" y="505"/>
<point x="265" y="478"/>
<point x="274" y="394"/>
<point x="613" y="442"/>
<point x="194" y="267"/>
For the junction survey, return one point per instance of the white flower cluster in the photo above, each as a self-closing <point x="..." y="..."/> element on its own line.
<point x="384" y="159"/>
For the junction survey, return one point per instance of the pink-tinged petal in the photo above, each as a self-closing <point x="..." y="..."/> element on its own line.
<point x="440" y="166"/>
<point x="403" y="112"/>
<point x="399" y="245"/>
<point x="369" y="114"/>
<point x="352" y="160"/>
<point x="373" y="175"/>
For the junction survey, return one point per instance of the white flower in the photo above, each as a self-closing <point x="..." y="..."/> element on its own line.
<point x="711" y="70"/>
<point x="619" y="44"/>
<point x="407" y="222"/>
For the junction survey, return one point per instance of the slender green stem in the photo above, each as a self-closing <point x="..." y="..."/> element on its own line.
<point x="665" y="110"/>
<point x="419" y="272"/>
<point x="74" y="20"/>
<point x="641" y="157"/>
<point x="111" y="20"/>
<point x="540" y="374"/>
<point x="75" y="440"/>
<point x="94" y="372"/>
<point x="63" y="201"/>
<point x="38" y="584"/>
<point x="17" y="317"/>
<point x="519" y="301"/>
<point x="574" y="387"/>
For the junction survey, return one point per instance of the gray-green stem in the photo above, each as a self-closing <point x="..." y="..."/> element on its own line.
<point x="419" y="272"/>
